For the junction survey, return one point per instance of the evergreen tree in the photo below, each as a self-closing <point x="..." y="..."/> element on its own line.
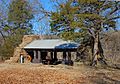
<point x="85" y="19"/>
<point x="19" y="16"/>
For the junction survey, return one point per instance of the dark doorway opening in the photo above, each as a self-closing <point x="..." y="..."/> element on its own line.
<point x="31" y="54"/>
<point x="43" y="56"/>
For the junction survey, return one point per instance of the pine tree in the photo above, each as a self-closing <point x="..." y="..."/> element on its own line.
<point x="19" y="16"/>
<point x="81" y="19"/>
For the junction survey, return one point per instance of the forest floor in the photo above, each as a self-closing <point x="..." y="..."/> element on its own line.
<point x="56" y="74"/>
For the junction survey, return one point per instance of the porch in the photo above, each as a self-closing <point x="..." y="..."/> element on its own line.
<point x="46" y="51"/>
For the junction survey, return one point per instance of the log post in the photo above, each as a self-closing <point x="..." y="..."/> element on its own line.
<point x="34" y="54"/>
<point x="35" y="60"/>
<point x="70" y="62"/>
<point x="69" y="56"/>
<point x="39" y="56"/>
<point x="51" y="53"/>
<point x="55" y="56"/>
<point x="64" y="57"/>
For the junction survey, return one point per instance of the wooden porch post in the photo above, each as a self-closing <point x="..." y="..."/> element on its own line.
<point x="51" y="53"/>
<point x="39" y="56"/>
<point x="77" y="55"/>
<point x="34" y="54"/>
<point x="69" y="56"/>
<point x="64" y="57"/>
<point x="55" y="55"/>
<point x="35" y="60"/>
<point x="70" y="62"/>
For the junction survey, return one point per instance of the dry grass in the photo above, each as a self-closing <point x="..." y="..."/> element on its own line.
<point x="60" y="74"/>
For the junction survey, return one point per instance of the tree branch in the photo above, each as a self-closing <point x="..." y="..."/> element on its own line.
<point x="114" y="18"/>
<point x="91" y="32"/>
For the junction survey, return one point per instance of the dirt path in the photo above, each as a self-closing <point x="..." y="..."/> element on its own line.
<point x="60" y="74"/>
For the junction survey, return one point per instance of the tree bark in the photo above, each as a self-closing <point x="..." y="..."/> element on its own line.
<point x="97" y="52"/>
<point x="2" y="35"/>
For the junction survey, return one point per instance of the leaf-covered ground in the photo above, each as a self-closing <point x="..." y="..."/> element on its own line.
<point x="57" y="74"/>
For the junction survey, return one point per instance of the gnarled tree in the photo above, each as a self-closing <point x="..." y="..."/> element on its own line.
<point x="77" y="19"/>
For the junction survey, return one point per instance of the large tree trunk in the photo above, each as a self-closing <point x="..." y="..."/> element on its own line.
<point x="97" y="52"/>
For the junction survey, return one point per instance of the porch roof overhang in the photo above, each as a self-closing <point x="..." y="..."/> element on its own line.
<point x="52" y="44"/>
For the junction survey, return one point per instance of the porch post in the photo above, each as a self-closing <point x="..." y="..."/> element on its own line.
<point x="70" y="62"/>
<point x="39" y="56"/>
<point x="34" y="54"/>
<point x="55" y="55"/>
<point x="64" y="57"/>
<point x="51" y="53"/>
<point x="35" y="60"/>
<point x="69" y="56"/>
<point x="77" y="55"/>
